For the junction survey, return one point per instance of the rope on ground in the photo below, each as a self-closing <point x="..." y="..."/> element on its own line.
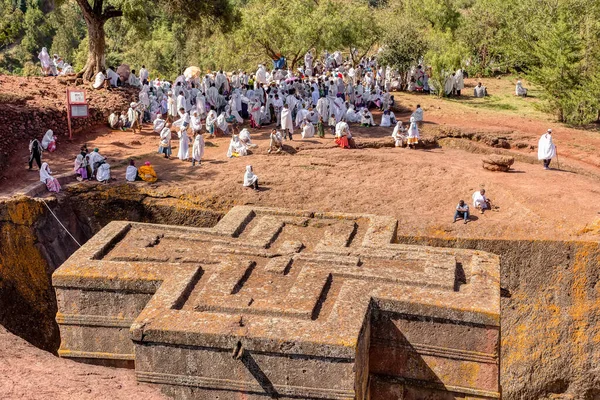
<point x="55" y="217"/>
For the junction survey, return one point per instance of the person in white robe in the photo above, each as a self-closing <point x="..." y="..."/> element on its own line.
<point x="301" y="115"/>
<point x="100" y="80"/>
<point x="398" y="134"/>
<point x="323" y="108"/>
<point x="184" y="144"/>
<point x="114" y="121"/>
<point x="287" y="124"/>
<point x="165" y="142"/>
<point x="131" y="172"/>
<point x="351" y="115"/>
<point x="520" y="90"/>
<point x="236" y="148"/>
<point x="47" y="67"/>
<point x="366" y="118"/>
<point x="245" y="138"/>
<point x="459" y="82"/>
<point x="418" y="114"/>
<point x="197" y="149"/>
<point x="49" y="141"/>
<point x="261" y="75"/>
<point x="386" y="120"/>
<point x="546" y="149"/>
<point x="308" y="129"/>
<point x="113" y="76"/>
<point x="222" y="123"/>
<point x="308" y="63"/>
<point x="277" y="107"/>
<point x="46" y="177"/>
<point x="181" y="103"/>
<point x="413" y="134"/>
<point x="196" y="122"/>
<point x="479" y="91"/>
<point x="172" y="105"/>
<point x="250" y="179"/>
<point x="133" y="80"/>
<point x="276" y="141"/>
<point x="144" y="74"/>
<point x="103" y="173"/>
<point x="159" y="124"/>
<point x="211" y="120"/>
<point x="313" y="116"/>
<point x="201" y="104"/>
<point x="449" y="85"/>
<point x="480" y="201"/>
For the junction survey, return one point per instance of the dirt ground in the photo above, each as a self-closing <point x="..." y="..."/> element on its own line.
<point x="419" y="187"/>
<point x="29" y="373"/>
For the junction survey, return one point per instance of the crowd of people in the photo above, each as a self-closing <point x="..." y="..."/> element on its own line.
<point x="323" y="95"/>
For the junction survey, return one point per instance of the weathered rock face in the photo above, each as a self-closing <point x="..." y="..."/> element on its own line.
<point x="287" y="304"/>
<point x="550" y="316"/>
<point x="495" y="162"/>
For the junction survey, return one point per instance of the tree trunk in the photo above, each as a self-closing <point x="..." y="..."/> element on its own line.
<point x="96" y="48"/>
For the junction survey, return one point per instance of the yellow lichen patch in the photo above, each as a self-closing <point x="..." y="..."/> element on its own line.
<point x="23" y="211"/>
<point x="593" y="227"/>
<point x="21" y="264"/>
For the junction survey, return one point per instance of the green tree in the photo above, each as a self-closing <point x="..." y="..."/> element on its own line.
<point x="98" y="12"/>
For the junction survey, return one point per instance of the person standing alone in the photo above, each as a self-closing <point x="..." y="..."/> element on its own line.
<point x="546" y="149"/>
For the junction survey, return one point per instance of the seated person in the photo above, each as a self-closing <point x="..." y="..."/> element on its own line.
<point x="276" y="141"/>
<point x="366" y="118"/>
<point x="480" y="91"/>
<point x="250" y="179"/>
<point x="481" y="202"/>
<point x="131" y="173"/>
<point x="46" y="177"/>
<point x="520" y="90"/>
<point x="386" y="118"/>
<point x="308" y="129"/>
<point x="236" y="148"/>
<point x="146" y="173"/>
<point x="341" y="134"/>
<point x="114" y="121"/>
<point x="418" y="114"/>
<point x="103" y="173"/>
<point x="245" y="138"/>
<point x="462" y="211"/>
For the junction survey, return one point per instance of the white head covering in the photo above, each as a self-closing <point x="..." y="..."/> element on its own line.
<point x="45" y="172"/>
<point x="249" y="177"/>
<point x="47" y="139"/>
<point x="44" y="58"/>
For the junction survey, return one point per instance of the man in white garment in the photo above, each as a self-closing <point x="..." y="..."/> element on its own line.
<point x="287" y="123"/>
<point x="479" y="91"/>
<point x="101" y="80"/>
<point x="546" y="149"/>
<point x="113" y="76"/>
<point x="323" y="108"/>
<point x="459" y="82"/>
<point x="418" y="114"/>
<point x="520" y="90"/>
<point x="144" y="74"/>
<point x="481" y="202"/>
<point x="277" y="107"/>
<point x="159" y="124"/>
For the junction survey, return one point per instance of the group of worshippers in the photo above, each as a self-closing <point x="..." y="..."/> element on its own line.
<point x="311" y="99"/>
<point x="54" y="66"/>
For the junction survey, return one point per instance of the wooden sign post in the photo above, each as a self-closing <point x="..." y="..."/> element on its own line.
<point x="77" y="106"/>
